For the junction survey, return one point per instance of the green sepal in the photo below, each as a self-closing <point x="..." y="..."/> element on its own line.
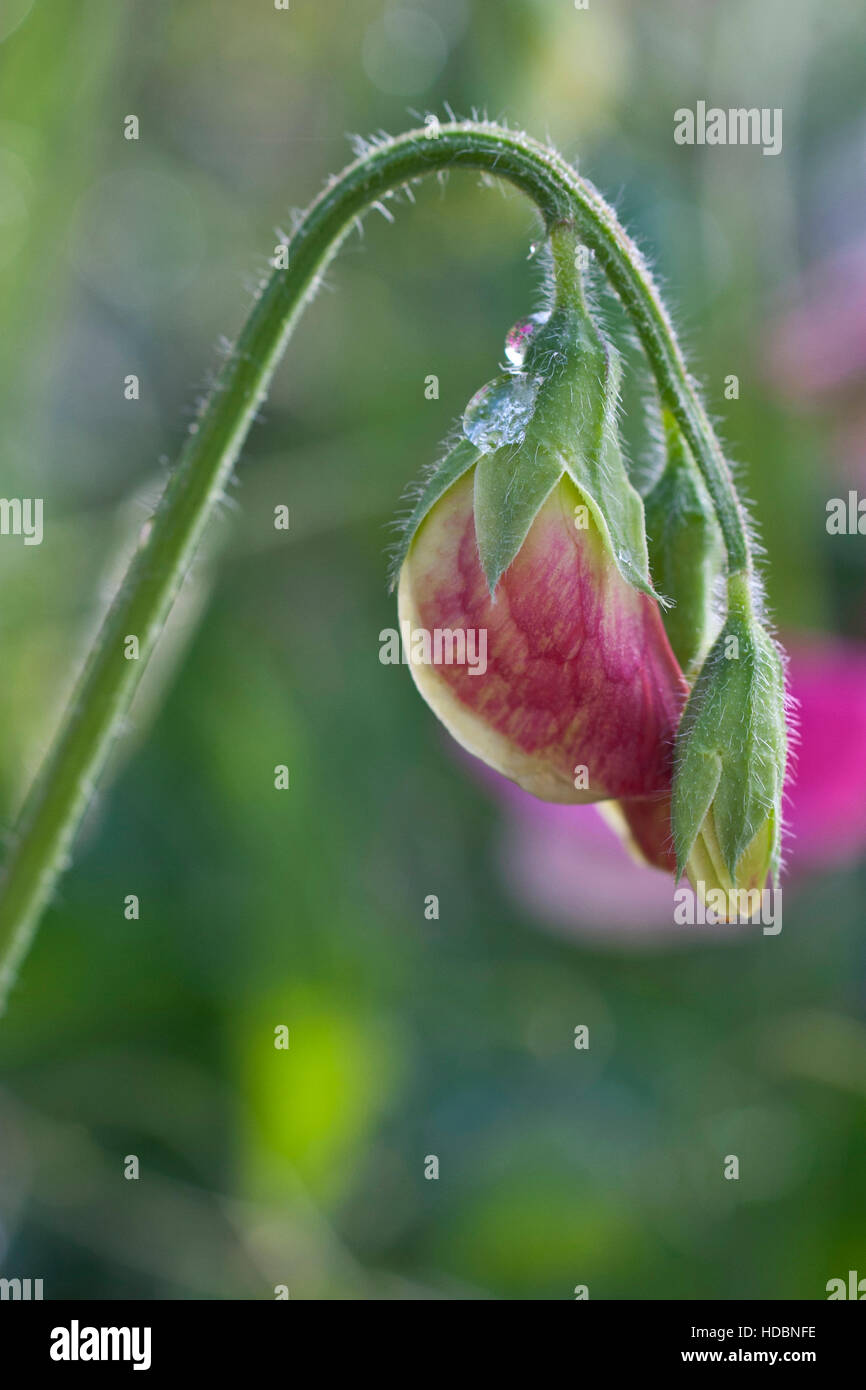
<point x="685" y="547"/>
<point x="455" y="463"/>
<point x="575" y="420"/>
<point x="556" y="416"/>
<point x="731" y="747"/>
<point x="511" y="486"/>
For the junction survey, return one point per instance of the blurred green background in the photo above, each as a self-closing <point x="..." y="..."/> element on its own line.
<point x="409" y="1037"/>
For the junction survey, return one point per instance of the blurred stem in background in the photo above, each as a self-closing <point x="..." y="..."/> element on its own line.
<point x="55" y="806"/>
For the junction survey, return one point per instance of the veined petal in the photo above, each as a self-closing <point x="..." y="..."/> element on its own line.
<point x="579" y="671"/>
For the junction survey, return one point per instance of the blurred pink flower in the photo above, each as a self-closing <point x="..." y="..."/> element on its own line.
<point x="816" y="352"/>
<point x="827" y="781"/>
<point x="571" y="871"/>
<point x="819" y="344"/>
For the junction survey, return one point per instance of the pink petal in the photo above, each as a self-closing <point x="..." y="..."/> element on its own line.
<point x="580" y="671"/>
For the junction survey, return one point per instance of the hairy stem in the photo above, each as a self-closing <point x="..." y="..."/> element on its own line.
<point x="54" y="807"/>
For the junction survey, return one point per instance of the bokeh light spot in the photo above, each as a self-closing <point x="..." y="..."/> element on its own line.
<point x="137" y="237"/>
<point x="404" y="51"/>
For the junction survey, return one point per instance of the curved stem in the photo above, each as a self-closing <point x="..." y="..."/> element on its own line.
<point x="567" y="276"/>
<point x="57" y="800"/>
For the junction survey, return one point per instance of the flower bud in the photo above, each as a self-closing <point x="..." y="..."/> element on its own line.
<point x="686" y="550"/>
<point x="580" y="695"/>
<point x="531" y="533"/>
<point x="730" y="761"/>
<point x="530" y="536"/>
<point x="552" y="414"/>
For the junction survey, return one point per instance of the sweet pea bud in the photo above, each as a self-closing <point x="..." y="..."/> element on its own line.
<point x="730" y="759"/>
<point x="531" y="533"/>
<point x="571" y="430"/>
<point x="553" y="414"/>
<point x="577" y="694"/>
<point x="685" y="547"/>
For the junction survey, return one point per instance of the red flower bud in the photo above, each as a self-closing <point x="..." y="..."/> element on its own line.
<point x="581" y="695"/>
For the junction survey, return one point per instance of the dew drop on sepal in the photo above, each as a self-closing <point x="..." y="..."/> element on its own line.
<point x="519" y="337"/>
<point x="499" y="413"/>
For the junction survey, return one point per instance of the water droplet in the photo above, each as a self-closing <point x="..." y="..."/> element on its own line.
<point x="518" y="339"/>
<point x="499" y="413"/>
<point x="534" y="247"/>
